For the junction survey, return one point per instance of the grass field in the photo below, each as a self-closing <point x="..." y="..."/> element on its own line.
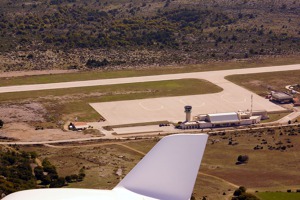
<point x="92" y="75"/>
<point x="124" y="91"/>
<point x="71" y="102"/>
<point x="275" y="116"/>
<point x="262" y="83"/>
<point x="266" y="168"/>
<point x="278" y="196"/>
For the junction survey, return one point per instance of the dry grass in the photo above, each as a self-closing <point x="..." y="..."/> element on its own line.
<point x="267" y="170"/>
<point x="278" y="196"/>
<point x="276" y="116"/>
<point x="262" y="83"/>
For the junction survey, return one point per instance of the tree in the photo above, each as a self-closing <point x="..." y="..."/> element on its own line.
<point x="81" y="174"/>
<point x="68" y="179"/>
<point x="1" y="123"/>
<point x="33" y="155"/>
<point x="48" y="167"/>
<point x="91" y="63"/>
<point x="241" y="194"/>
<point x="60" y="182"/>
<point x="242" y="188"/>
<point x="237" y="192"/>
<point x="39" y="173"/>
<point x="242" y="159"/>
<point x="74" y="177"/>
<point x="46" y="180"/>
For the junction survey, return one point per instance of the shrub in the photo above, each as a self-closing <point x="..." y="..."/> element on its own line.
<point x="237" y="192"/>
<point x="39" y="173"/>
<point x="91" y="63"/>
<point x="240" y="194"/>
<point x="243" y="158"/>
<point x="242" y="188"/>
<point x="30" y="56"/>
<point x="1" y="123"/>
<point x="68" y="179"/>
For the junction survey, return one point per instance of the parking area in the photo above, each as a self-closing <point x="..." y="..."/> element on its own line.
<point x="172" y="108"/>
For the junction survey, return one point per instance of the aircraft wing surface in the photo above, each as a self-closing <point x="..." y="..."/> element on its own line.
<point x="169" y="170"/>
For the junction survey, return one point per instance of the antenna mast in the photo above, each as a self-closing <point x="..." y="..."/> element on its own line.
<point x="251" y="104"/>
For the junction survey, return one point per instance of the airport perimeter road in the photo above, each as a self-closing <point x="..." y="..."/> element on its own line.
<point x="216" y="77"/>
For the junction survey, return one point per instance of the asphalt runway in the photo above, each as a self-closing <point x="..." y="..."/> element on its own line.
<point x="232" y="98"/>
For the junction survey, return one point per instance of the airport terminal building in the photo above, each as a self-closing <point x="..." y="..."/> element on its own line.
<point x="239" y="118"/>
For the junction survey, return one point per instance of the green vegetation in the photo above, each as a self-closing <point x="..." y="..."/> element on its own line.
<point x="125" y="91"/>
<point x="97" y="163"/>
<point x="62" y="103"/>
<point x="262" y="83"/>
<point x="143" y="32"/>
<point x="15" y="172"/>
<point x="1" y="123"/>
<point x="19" y="171"/>
<point x="276" y="116"/>
<point x="241" y="194"/>
<point x="242" y="159"/>
<point x="278" y="195"/>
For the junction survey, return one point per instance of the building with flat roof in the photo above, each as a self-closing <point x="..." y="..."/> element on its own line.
<point x="224" y="119"/>
<point x="281" y="97"/>
<point x="220" y="118"/>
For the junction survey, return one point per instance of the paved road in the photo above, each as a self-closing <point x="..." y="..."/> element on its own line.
<point x="232" y="98"/>
<point x="216" y="77"/>
<point x="289" y="117"/>
<point x="48" y="143"/>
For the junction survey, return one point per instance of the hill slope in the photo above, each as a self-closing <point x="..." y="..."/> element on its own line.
<point x="49" y="34"/>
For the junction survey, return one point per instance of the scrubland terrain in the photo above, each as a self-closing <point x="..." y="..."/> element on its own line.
<point x="70" y="34"/>
<point x="272" y="168"/>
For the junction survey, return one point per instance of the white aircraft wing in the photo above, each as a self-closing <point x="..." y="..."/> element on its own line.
<point x="167" y="172"/>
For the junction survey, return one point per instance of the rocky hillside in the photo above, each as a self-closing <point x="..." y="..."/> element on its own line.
<point x="49" y="34"/>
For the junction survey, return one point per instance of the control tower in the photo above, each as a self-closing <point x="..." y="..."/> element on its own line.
<point x="188" y="111"/>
